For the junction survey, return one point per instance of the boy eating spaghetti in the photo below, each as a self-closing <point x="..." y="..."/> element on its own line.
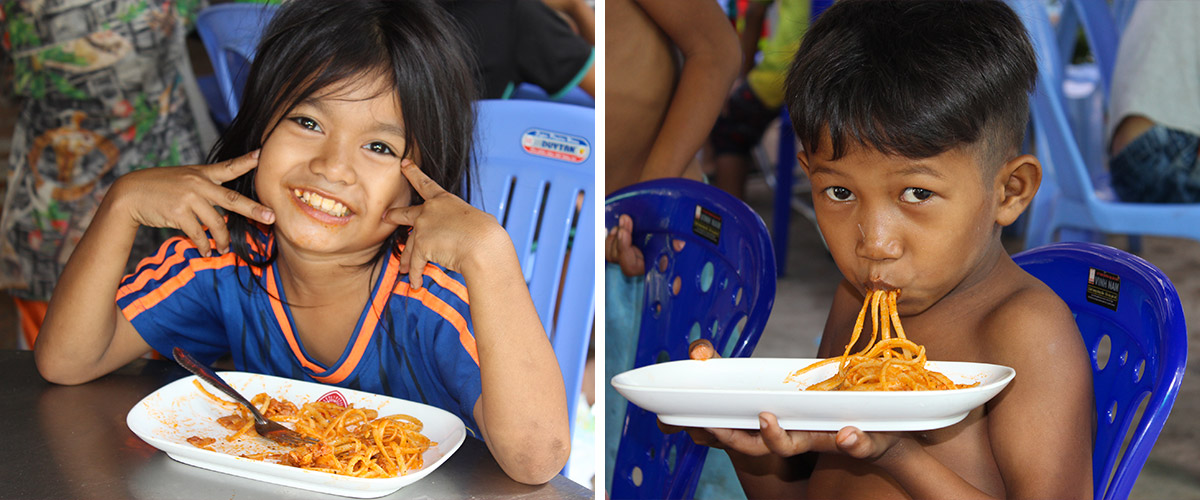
<point x="911" y="115"/>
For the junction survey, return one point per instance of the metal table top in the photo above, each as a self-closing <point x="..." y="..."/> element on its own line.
<point x="72" y="442"/>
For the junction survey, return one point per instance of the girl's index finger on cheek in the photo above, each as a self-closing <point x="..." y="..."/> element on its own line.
<point x="233" y="168"/>
<point x="234" y="201"/>
<point x="404" y="216"/>
<point x="425" y="186"/>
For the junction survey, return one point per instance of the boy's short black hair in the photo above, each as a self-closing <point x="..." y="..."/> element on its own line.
<point x="414" y="45"/>
<point x="914" y="78"/>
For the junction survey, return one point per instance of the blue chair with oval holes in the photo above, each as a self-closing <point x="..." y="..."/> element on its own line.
<point x="230" y="33"/>
<point x="536" y="175"/>
<point x="719" y="286"/>
<point x="1071" y="197"/>
<point x="1133" y="326"/>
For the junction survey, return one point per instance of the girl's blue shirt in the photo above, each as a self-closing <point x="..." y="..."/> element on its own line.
<point x="416" y="345"/>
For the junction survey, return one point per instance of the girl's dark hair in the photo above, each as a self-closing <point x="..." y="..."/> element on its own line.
<point x="313" y="44"/>
<point x="914" y="78"/>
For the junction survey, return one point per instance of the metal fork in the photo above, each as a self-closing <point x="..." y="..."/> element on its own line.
<point x="269" y="429"/>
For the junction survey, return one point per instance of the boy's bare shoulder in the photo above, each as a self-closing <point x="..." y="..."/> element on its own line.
<point x="1040" y="425"/>
<point x="1030" y="324"/>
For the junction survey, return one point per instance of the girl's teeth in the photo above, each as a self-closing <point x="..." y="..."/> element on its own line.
<point x="321" y="203"/>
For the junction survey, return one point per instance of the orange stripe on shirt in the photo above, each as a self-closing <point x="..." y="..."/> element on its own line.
<point x="368" y="329"/>
<point x="176" y="282"/>
<point x="164" y="263"/>
<point x="445" y="281"/>
<point x="444" y="310"/>
<point x="439" y="276"/>
<point x="164" y="267"/>
<point x="286" y="326"/>
<point x="154" y="260"/>
<point x="159" y="256"/>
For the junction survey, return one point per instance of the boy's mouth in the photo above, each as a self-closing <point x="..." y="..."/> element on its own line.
<point x="320" y="203"/>
<point x="878" y="284"/>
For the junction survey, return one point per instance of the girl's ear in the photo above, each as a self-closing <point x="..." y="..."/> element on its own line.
<point x="1016" y="183"/>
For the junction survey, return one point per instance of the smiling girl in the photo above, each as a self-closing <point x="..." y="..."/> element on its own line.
<point x="345" y="253"/>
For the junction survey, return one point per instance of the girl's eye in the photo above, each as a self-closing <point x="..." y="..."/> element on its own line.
<point x="915" y="195"/>
<point x="307" y="123"/>
<point x="838" y="193"/>
<point x="379" y="148"/>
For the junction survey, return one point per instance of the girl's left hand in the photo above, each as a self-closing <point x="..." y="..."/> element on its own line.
<point x="445" y="229"/>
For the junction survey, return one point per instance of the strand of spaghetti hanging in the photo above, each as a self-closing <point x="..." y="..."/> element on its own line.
<point x="887" y="363"/>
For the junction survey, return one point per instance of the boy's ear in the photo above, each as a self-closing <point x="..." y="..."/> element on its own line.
<point x="1016" y="183"/>
<point x="802" y="157"/>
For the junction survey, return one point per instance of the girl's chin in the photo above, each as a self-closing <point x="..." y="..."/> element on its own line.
<point x="329" y="240"/>
<point x="311" y="235"/>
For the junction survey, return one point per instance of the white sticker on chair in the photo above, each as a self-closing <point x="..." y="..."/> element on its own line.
<point x="554" y="145"/>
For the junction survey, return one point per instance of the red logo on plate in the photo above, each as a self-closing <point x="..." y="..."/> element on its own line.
<point x="333" y="397"/>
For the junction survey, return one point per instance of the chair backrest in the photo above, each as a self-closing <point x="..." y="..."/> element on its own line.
<point x="1099" y="27"/>
<point x="230" y="33"/>
<point x="719" y="286"/>
<point x="536" y="175"/>
<point x="1066" y="172"/>
<point x="1122" y="10"/>
<point x="1087" y="85"/>
<point x="1134" y="329"/>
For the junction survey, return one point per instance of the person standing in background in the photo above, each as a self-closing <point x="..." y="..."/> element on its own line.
<point x="668" y="71"/>
<point x="525" y="41"/>
<point x="104" y="88"/>
<point x="757" y="98"/>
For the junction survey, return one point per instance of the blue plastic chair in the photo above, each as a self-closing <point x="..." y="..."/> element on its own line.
<point x="725" y="275"/>
<point x="1122" y="10"/>
<point x="1101" y="30"/>
<point x="230" y="33"/>
<point x="1070" y="197"/>
<point x="575" y="95"/>
<point x="1087" y="85"/>
<point x="785" y="172"/>
<point x="1146" y="358"/>
<point x="537" y="177"/>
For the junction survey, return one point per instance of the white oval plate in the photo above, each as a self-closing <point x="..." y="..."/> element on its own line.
<point x="731" y="392"/>
<point x="167" y="417"/>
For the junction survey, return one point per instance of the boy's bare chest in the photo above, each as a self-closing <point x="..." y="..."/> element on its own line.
<point x="963" y="447"/>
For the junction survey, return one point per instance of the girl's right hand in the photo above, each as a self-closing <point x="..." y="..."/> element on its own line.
<point x="186" y="197"/>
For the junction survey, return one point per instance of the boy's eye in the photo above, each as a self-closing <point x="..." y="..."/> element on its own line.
<point x="915" y="195"/>
<point x="838" y="193"/>
<point x="307" y="123"/>
<point x="379" y="148"/>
